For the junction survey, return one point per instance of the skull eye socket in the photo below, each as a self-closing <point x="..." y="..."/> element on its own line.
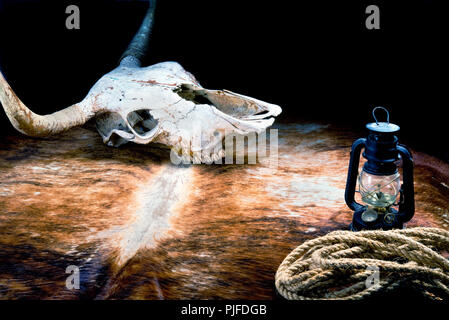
<point x="141" y="121"/>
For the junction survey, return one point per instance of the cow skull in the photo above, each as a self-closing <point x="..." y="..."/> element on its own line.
<point x="161" y="104"/>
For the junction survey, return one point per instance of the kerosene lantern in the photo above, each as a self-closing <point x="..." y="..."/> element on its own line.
<point x="387" y="204"/>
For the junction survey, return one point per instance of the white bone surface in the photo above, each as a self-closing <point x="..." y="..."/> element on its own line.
<point x="176" y="122"/>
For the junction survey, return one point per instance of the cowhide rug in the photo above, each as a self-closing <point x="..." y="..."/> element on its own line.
<point x="140" y="228"/>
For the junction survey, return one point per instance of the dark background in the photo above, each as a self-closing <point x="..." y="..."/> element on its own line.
<point x="314" y="58"/>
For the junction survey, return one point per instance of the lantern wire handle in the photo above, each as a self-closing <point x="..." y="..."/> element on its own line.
<point x="374" y="115"/>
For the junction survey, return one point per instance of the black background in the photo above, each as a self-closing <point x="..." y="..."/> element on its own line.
<point x="314" y="58"/>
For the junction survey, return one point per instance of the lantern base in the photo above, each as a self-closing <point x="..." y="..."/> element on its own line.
<point x="384" y="222"/>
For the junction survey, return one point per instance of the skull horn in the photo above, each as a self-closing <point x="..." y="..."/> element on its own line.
<point x="31" y="124"/>
<point x="138" y="47"/>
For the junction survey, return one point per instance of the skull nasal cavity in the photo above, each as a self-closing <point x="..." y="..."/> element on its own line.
<point x="141" y="121"/>
<point x="191" y="95"/>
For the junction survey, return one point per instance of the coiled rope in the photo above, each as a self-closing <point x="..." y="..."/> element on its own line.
<point x="342" y="265"/>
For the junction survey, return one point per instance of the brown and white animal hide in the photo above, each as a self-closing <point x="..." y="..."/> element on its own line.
<point x="140" y="228"/>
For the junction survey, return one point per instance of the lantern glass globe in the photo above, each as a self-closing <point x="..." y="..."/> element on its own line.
<point x="379" y="191"/>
